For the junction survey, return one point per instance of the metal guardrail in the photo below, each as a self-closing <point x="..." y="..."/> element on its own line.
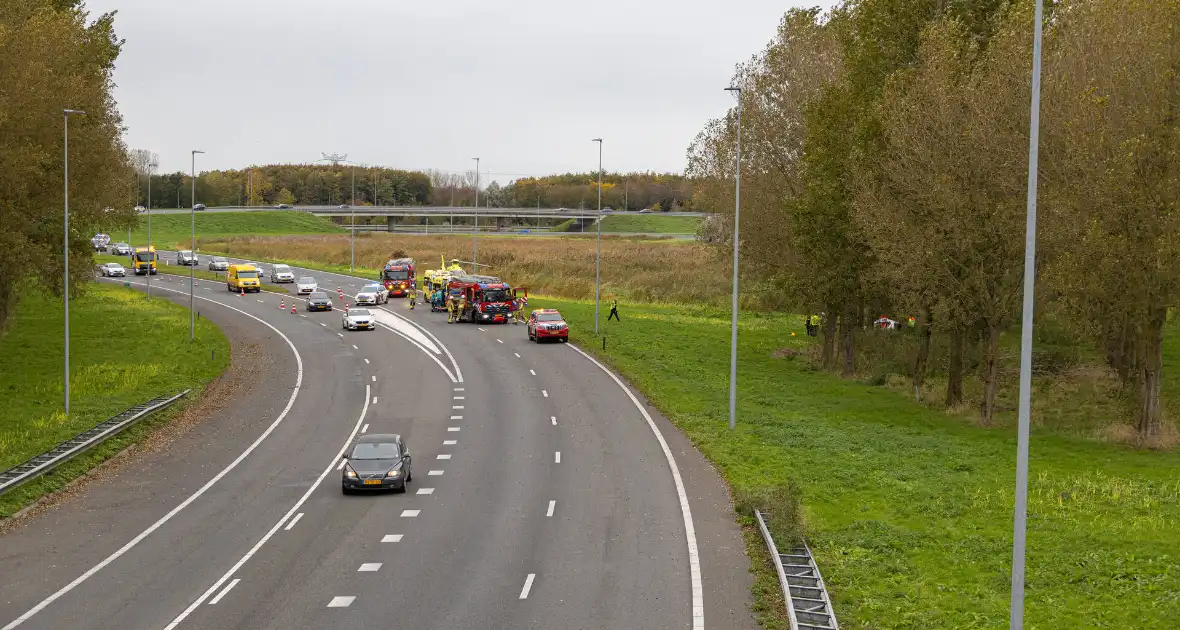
<point x="82" y="442"/>
<point x="808" y="605"/>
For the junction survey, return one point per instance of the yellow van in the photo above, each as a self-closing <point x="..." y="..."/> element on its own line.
<point x="243" y="278"/>
<point x="144" y="260"/>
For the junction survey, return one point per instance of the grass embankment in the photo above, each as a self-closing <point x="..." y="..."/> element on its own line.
<point x="650" y="224"/>
<point x="173" y="231"/>
<point x="124" y="350"/>
<point x="909" y="510"/>
<point x="174" y="270"/>
<point x="637" y="270"/>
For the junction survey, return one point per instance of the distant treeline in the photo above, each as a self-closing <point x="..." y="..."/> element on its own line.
<point x="631" y="191"/>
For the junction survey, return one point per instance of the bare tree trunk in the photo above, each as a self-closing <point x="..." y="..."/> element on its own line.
<point x="849" y="322"/>
<point x="1150" y="417"/>
<point x="987" y="407"/>
<point x="829" y="348"/>
<point x="954" y="379"/>
<point x="923" y="348"/>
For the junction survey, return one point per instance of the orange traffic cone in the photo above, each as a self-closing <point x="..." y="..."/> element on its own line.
<point x="283" y="304"/>
<point x="346" y="307"/>
<point x="243" y="293"/>
<point x="292" y="309"/>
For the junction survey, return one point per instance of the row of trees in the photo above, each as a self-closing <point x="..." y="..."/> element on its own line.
<point x="885" y="164"/>
<point x="53" y="57"/>
<point x="304" y="184"/>
<point x="622" y="191"/>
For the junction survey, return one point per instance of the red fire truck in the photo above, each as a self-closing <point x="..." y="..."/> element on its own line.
<point x="398" y="276"/>
<point x="488" y="298"/>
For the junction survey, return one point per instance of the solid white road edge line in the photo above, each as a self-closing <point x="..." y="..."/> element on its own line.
<point x="694" y="560"/>
<point x="365" y="429"/>
<point x="528" y="586"/>
<point x="224" y="590"/>
<point x="289" y="526"/>
<point x="294" y="508"/>
<point x="200" y="491"/>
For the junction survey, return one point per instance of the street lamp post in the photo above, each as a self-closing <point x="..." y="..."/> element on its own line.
<point x="1020" y="519"/>
<point x="151" y="167"/>
<point x="66" y="113"/>
<point x="598" y="255"/>
<point x="737" y="215"/>
<point x="192" y="314"/>
<point x="475" y="219"/>
<point x="352" y="209"/>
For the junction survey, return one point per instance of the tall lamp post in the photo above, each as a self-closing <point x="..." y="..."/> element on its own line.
<point x="151" y="166"/>
<point x="475" y="218"/>
<point x="598" y="255"/>
<point x="352" y="209"/>
<point x="192" y="314"/>
<point x="65" y="248"/>
<point x="737" y="216"/>
<point x="1020" y="518"/>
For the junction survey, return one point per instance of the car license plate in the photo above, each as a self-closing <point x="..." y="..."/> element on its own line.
<point x="372" y="482"/>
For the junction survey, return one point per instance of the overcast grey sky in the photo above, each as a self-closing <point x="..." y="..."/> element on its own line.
<point x="524" y="84"/>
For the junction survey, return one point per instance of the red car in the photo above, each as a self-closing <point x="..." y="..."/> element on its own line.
<point x="547" y="323"/>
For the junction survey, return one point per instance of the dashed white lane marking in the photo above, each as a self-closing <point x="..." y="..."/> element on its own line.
<point x="460" y="398"/>
<point x="456" y="417"/>
<point x="557" y="457"/>
<point x="545" y="393"/>
<point x="370" y="567"/>
<point x="553" y="420"/>
<point x="532" y="371"/>
<point x="460" y="389"/>
<point x="342" y="601"/>
<point x="452" y="429"/>
<point x="260" y="301"/>
<point x="410" y="513"/>
<point x="444" y="456"/>
<point x="456" y="406"/>
<point x="374" y="378"/>
<point x="207" y="288"/>
<point x="499" y="341"/>
<point x="425" y="491"/>
<point x="323" y="324"/>
<point x="354" y="347"/>
<point x="341" y="335"/>
<point x="228" y="587"/>
<point x="366" y="360"/>
<point x="365" y="429"/>
<point x="434" y="473"/>
<point x="392" y="538"/>
<point x="552" y="504"/>
<point x="480" y="329"/>
<point x="296" y="519"/>
<point x="528" y="586"/>
<point x="517" y="354"/>
<point x="374" y="400"/>
<point x="450" y="442"/>
<point x="303" y="316"/>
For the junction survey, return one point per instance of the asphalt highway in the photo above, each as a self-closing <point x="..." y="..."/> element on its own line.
<point x="545" y="494"/>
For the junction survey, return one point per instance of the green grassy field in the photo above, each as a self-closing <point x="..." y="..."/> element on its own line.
<point x="909" y="510"/>
<point x="124" y="349"/>
<point x="172" y="231"/>
<point x="174" y="270"/>
<point x="650" y="224"/>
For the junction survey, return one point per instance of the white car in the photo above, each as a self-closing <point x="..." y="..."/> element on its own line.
<point x="379" y="289"/>
<point x="306" y="286"/>
<point x="140" y="209"/>
<point x="111" y="270"/>
<point x="366" y="298"/>
<point x="358" y="319"/>
<point x="121" y="249"/>
<point x="281" y="273"/>
<point x="186" y="257"/>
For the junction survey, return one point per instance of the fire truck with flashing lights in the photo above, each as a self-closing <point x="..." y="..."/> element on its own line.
<point x="398" y="276"/>
<point x="489" y="299"/>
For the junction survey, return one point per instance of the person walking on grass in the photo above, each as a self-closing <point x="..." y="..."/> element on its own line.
<point x="614" y="311"/>
<point x="813" y="325"/>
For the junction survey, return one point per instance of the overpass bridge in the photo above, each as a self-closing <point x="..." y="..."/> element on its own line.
<point x="431" y="211"/>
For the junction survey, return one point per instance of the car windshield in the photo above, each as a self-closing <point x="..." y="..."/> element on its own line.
<point x="307" y="281"/>
<point x="219" y="259"/>
<point x="145" y="256"/>
<point x="359" y="312"/>
<point x="114" y="266"/>
<point x="248" y="274"/>
<point x="185" y="252"/>
<point x="397" y="275"/>
<point x="495" y="295"/>
<point x="372" y="288"/>
<point x="374" y="450"/>
<point x="318" y="296"/>
<point x="548" y="317"/>
<point x="282" y="269"/>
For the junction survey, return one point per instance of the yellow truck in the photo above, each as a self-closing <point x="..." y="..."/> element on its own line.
<point x="244" y="278"/>
<point x="143" y="261"/>
<point x="438" y="278"/>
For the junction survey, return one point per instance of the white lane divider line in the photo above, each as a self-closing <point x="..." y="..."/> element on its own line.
<point x="480" y="329"/>
<point x="392" y="538"/>
<point x="557" y="457"/>
<point x="425" y="491"/>
<point x="296" y="519"/>
<point x="341" y="466"/>
<point x="528" y="586"/>
<point x="303" y="316"/>
<point x="366" y="361"/>
<point x="228" y="587"/>
<point x="369" y="567"/>
<point x="434" y="473"/>
<point x="549" y="513"/>
<point x="694" y="560"/>
<point x="323" y="324"/>
<point x="456" y="406"/>
<point x="341" y="335"/>
<point x="460" y="398"/>
<point x="260" y="301"/>
<point x="374" y="400"/>
<point x="532" y="371"/>
<point x="453" y="429"/>
<point x="499" y="341"/>
<point x="553" y="420"/>
<point x="456" y="417"/>
<point x="460" y="389"/>
<point x="354" y="347"/>
<point x="374" y="378"/>
<point x="444" y="456"/>
<point x="365" y="429"/>
<point x="410" y="513"/>
<point x="545" y="393"/>
<point x="342" y="601"/>
<point x="450" y="442"/>
<point x="517" y="354"/>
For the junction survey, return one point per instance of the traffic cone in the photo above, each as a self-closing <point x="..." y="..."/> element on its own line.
<point x="292" y="309"/>
<point x="283" y="304"/>
<point x="243" y="293"/>
<point x="346" y="307"/>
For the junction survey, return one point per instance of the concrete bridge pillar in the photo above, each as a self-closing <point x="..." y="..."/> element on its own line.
<point x="390" y="221"/>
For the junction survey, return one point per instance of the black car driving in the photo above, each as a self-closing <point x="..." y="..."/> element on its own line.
<point x="380" y="461"/>
<point x="318" y="301"/>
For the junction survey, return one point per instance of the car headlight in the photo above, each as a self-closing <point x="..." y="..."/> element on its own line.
<point x="349" y="472"/>
<point x="394" y="473"/>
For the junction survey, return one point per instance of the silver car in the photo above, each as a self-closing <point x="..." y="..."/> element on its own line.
<point x="112" y="270"/>
<point x="366" y="298"/>
<point x="358" y="319"/>
<point x="281" y="273"/>
<point x="218" y="263"/>
<point x="306" y="285"/>
<point x="380" y="290"/>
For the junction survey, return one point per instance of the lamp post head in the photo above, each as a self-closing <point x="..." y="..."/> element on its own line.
<point x="196" y="151"/>
<point x="73" y="112"/>
<point x="734" y="88"/>
<point x="598" y="140"/>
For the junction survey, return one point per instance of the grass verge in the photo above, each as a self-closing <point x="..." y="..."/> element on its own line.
<point x="174" y="231"/>
<point x="650" y="224"/>
<point x="172" y="270"/>
<point x="124" y="349"/>
<point x="908" y="510"/>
